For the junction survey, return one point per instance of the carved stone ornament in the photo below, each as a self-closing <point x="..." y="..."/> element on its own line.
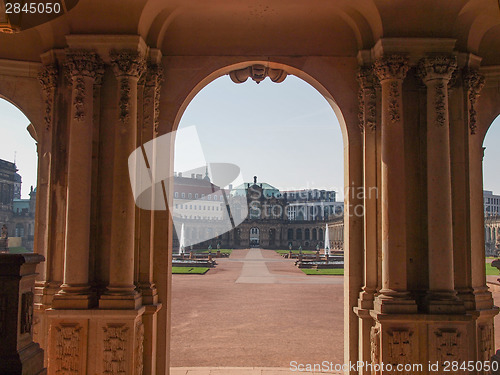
<point x="391" y="67"/>
<point x="67" y="356"/>
<point x="486" y="347"/>
<point x="437" y="67"/>
<point x="448" y="345"/>
<point x="394" y="94"/>
<point x="473" y="83"/>
<point x="48" y="80"/>
<point x="124" y="101"/>
<point x="367" y="99"/>
<point x="153" y="80"/>
<point x="26" y="312"/>
<point x="400" y="346"/>
<point x="129" y="63"/>
<point x="139" y="348"/>
<point x="375" y="345"/>
<point x="126" y="64"/>
<point x="81" y="65"/>
<point x="440" y="98"/>
<point x="258" y="73"/>
<point x="115" y="349"/>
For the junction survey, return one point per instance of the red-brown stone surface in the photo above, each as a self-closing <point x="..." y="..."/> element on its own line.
<point x="220" y="321"/>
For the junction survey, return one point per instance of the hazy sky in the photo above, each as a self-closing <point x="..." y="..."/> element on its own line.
<point x="14" y="138"/>
<point x="285" y="133"/>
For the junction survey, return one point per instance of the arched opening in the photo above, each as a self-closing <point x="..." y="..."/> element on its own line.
<point x="491" y="199"/>
<point x="18" y="184"/>
<point x="302" y="220"/>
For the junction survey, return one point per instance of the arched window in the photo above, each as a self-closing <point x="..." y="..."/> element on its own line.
<point x="298" y="234"/>
<point x="307" y="234"/>
<point x="290" y="234"/>
<point x="314" y="234"/>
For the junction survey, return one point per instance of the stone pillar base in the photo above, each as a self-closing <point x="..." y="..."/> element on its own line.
<point x="423" y="343"/>
<point x="395" y="305"/>
<point x="95" y="341"/>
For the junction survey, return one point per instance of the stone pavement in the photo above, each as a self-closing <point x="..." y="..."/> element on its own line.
<point x="257" y="312"/>
<point x="240" y="371"/>
<point x="256" y="309"/>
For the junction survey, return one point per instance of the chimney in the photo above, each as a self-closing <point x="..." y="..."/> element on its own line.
<point x="230" y="187"/>
<point x="180" y="174"/>
<point x="192" y="175"/>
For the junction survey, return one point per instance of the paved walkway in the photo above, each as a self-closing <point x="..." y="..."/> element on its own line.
<point x="256" y="271"/>
<point x="256" y="309"/>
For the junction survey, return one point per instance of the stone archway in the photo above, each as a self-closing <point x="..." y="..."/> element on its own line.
<point x="114" y="288"/>
<point x="327" y="81"/>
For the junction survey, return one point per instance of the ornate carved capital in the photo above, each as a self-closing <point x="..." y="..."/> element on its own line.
<point x="153" y="80"/>
<point x="437" y="67"/>
<point x="83" y="63"/>
<point x="48" y="79"/>
<point x="258" y="73"/>
<point x="154" y="75"/>
<point x="367" y="99"/>
<point x="80" y="65"/>
<point x="391" y="67"/>
<point x="127" y="63"/>
<point x="473" y="84"/>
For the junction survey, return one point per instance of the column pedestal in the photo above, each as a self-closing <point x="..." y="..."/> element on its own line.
<point x="19" y="355"/>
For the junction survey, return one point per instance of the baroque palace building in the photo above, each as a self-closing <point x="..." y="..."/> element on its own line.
<point x="414" y="85"/>
<point x="276" y="219"/>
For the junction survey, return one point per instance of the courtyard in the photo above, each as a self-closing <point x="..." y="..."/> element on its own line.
<point x="256" y="310"/>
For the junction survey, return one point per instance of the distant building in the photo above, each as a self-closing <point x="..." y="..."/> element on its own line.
<point x="275" y="219"/>
<point x="491" y="203"/>
<point x="16" y="213"/>
<point x="492" y="235"/>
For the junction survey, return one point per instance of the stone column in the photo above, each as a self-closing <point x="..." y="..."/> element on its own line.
<point x="368" y="126"/>
<point x="149" y="130"/>
<point x="473" y="84"/>
<point x="128" y="66"/>
<point x="150" y="109"/>
<point x="367" y="123"/>
<point x="82" y="67"/>
<point x="436" y="72"/>
<point x="48" y="80"/>
<point x="394" y="297"/>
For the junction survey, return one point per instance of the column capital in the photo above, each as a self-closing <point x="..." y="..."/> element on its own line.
<point x="48" y="76"/>
<point x="83" y="63"/>
<point x="473" y="84"/>
<point x="437" y="67"/>
<point x="48" y="80"/>
<point x="127" y="63"/>
<point x="367" y="98"/>
<point x="154" y="74"/>
<point x="366" y="77"/>
<point x="391" y="67"/>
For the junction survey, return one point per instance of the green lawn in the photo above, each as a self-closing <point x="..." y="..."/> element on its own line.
<point x="331" y="271"/>
<point x="190" y="270"/>
<point x="490" y="270"/>
<point x="18" y="250"/>
<point x="295" y="251"/>
<point x="214" y="251"/>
